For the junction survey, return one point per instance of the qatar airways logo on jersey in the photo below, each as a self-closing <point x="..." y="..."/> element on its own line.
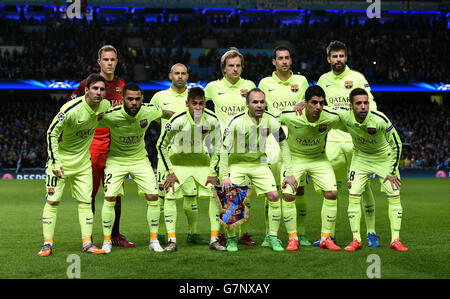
<point x="308" y="141"/>
<point x="232" y="110"/>
<point x="365" y="141"/>
<point x="338" y="101"/>
<point x="84" y="134"/>
<point x="283" y="105"/>
<point x="130" y="139"/>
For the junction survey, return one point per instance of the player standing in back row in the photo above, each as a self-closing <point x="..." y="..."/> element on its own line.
<point x="228" y="96"/>
<point x="284" y="90"/>
<point x="174" y="99"/>
<point x="337" y="84"/>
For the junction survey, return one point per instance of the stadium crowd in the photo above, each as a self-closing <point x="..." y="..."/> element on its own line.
<point x="424" y="129"/>
<point x="404" y="49"/>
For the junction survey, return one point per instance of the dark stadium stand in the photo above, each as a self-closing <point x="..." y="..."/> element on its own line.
<point x="41" y="43"/>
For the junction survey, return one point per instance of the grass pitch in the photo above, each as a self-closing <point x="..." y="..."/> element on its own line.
<point x="425" y="231"/>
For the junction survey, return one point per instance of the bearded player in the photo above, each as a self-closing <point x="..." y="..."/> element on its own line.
<point x="337" y="84"/>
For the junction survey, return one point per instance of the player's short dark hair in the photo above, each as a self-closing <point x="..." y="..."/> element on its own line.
<point x="132" y="87"/>
<point x="256" y="89"/>
<point x="314" y="91"/>
<point x="336" y="46"/>
<point x="280" y="48"/>
<point x="195" y="92"/>
<point x="357" y="92"/>
<point x="94" y="78"/>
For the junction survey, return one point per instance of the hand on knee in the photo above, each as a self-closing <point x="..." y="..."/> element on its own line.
<point x="331" y="195"/>
<point x="288" y="197"/>
<point x="273" y="196"/>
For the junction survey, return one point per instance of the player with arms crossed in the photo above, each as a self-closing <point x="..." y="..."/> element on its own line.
<point x="174" y="99"/>
<point x="182" y="150"/>
<point x="228" y="96"/>
<point x="337" y="85"/>
<point x="306" y="142"/>
<point x="68" y="138"/>
<point x="127" y="155"/>
<point x="284" y="90"/>
<point x="244" y="157"/>
<point x="377" y="150"/>
<point x="107" y="60"/>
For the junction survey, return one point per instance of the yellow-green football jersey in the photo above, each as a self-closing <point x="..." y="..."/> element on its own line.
<point x="374" y="137"/>
<point x="71" y="131"/>
<point x="308" y="139"/>
<point x="337" y="90"/>
<point x="169" y="100"/>
<point x="228" y="99"/>
<point x="128" y="132"/>
<point x="283" y="95"/>
<point x="182" y="141"/>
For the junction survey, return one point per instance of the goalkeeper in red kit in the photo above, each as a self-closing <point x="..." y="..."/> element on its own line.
<point x="107" y="60"/>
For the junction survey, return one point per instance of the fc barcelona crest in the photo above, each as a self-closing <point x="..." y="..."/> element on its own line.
<point x="372" y="131"/>
<point x="322" y="128"/>
<point x="244" y="92"/>
<point x="233" y="210"/>
<point x="143" y="123"/>
<point x="51" y="191"/>
<point x="118" y="90"/>
<point x="264" y="132"/>
<point x="349" y="84"/>
<point x="294" y="87"/>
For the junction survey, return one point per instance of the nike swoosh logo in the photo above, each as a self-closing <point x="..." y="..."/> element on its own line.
<point x="269" y="90"/>
<point x="166" y="104"/>
<point x="220" y="93"/>
<point x="297" y="127"/>
<point x="327" y="85"/>
<point x="81" y="121"/>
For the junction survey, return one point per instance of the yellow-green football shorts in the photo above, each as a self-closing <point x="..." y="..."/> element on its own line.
<point x="318" y="168"/>
<point x="140" y="171"/>
<point x="80" y="184"/>
<point x="192" y="182"/>
<point x="259" y="175"/>
<point x="363" y="166"/>
<point x="340" y="156"/>
<point x="189" y="187"/>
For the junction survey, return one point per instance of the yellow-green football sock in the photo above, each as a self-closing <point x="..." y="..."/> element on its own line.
<point x="162" y="228"/>
<point x="214" y="214"/>
<point x="153" y="213"/>
<point x="170" y="215"/>
<point x="328" y="214"/>
<point x="274" y="217"/>
<point x="300" y="206"/>
<point x="289" y="212"/>
<point x="354" y="215"/>
<point x="191" y="211"/>
<point x="395" y="216"/>
<point x="368" y="203"/>
<point x="49" y="221"/>
<point x="86" y="219"/>
<point x="108" y="217"/>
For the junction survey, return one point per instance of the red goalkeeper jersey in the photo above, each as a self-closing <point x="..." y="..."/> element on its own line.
<point x="114" y="96"/>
